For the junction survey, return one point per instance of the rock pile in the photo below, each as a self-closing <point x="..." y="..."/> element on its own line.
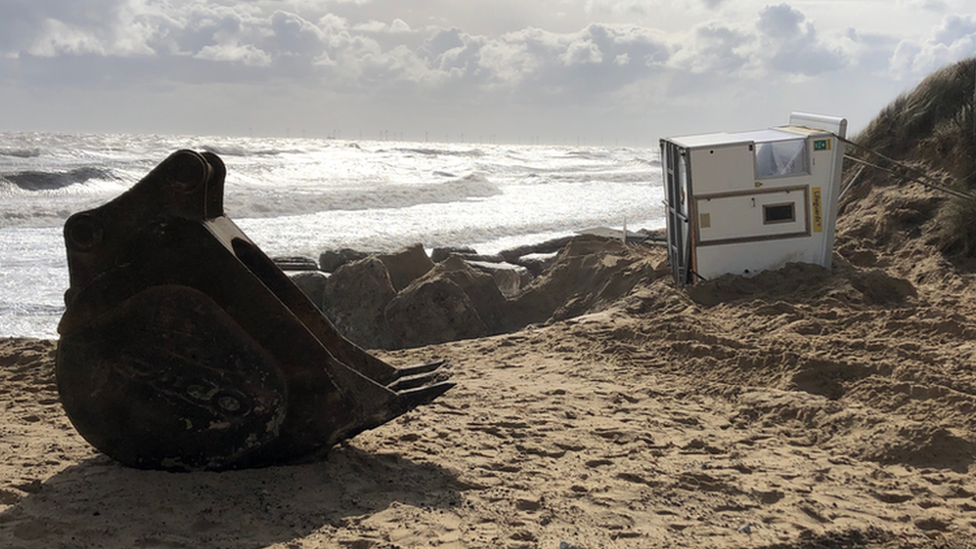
<point x="406" y="299"/>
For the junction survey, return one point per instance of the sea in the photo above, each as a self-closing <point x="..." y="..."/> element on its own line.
<point x="300" y="197"/>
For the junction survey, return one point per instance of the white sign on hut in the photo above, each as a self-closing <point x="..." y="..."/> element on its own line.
<point x="750" y="201"/>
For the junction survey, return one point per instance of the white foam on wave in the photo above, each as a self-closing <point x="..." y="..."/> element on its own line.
<point x="33" y="278"/>
<point x="518" y="211"/>
<point x="278" y="202"/>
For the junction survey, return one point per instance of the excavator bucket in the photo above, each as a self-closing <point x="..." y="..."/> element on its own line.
<point x="184" y="347"/>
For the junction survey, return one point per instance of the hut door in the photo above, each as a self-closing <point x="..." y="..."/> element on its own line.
<point x="677" y="190"/>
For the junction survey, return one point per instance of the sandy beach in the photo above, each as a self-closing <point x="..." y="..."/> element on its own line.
<point x="802" y="408"/>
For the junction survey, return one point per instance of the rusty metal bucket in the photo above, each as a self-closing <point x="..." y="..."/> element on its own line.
<point x="183" y="346"/>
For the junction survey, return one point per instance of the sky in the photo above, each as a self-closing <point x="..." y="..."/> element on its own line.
<point x="595" y="72"/>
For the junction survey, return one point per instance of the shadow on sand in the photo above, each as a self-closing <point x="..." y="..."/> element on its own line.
<point x="100" y="503"/>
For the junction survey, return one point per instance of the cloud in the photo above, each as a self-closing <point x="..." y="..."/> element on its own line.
<point x="598" y="59"/>
<point x="791" y="45"/>
<point x="357" y="48"/>
<point x="245" y="54"/>
<point x="52" y="27"/>
<point x="781" y="42"/>
<point x="620" y="7"/>
<point x="953" y="40"/>
<point x="398" y="26"/>
<point x="582" y="51"/>
<point x="715" y="48"/>
<point x="293" y="35"/>
<point x="937" y="6"/>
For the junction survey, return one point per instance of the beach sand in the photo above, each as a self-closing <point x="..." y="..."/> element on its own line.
<point x="803" y="408"/>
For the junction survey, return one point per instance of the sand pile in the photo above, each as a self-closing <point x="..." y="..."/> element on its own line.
<point x="802" y="408"/>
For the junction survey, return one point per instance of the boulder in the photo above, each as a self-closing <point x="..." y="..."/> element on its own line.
<point x="509" y="279"/>
<point x="536" y="264"/>
<point x="355" y="299"/>
<point x="433" y="310"/>
<point x="312" y="284"/>
<point x="480" y="288"/>
<point x="331" y="260"/>
<point x="295" y="263"/>
<point x="589" y="273"/>
<point x="547" y="247"/>
<point x="406" y="265"/>
<point x="440" y="254"/>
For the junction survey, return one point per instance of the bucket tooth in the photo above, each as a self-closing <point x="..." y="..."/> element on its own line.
<point x="417" y="380"/>
<point x="183" y="346"/>
<point x="418" y="396"/>
<point x="419" y="368"/>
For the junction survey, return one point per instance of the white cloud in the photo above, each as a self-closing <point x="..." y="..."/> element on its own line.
<point x="714" y="48"/>
<point x="938" y="6"/>
<point x="790" y="44"/>
<point x="581" y="52"/>
<point x="619" y="7"/>
<point x="293" y="35"/>
<point x="953" y="40"/>
<point x="235" y="53"/>
<point x="398" y="26"/>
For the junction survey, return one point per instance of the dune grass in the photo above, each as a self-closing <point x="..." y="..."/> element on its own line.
<point x="934" y="126"/>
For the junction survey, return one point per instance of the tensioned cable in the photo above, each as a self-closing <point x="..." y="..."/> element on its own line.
<point x="920" y="177"/>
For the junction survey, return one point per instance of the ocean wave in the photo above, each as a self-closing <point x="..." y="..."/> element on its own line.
<point x="37" y="217"/>
<point x="475" y="153"/>
<point x="31" y="180"/>
<point x="21" y="153"/>
<point x="30" y="309"/>
<point x="241" y="151"/>
<point x="272" y="203"/>
<point x="588" y="154"/>
<point x="656" y="162"/>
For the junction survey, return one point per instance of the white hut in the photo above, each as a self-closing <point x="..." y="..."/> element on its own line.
<point x="749" y="201"/>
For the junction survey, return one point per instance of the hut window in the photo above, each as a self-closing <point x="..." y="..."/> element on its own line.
<point x="779" y="213"/>
<point x="781" y="158"/>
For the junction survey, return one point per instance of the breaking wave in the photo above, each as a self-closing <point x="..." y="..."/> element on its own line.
<point x="476" y="153"/>
<point x="31" y="180"/>
<point x="21" y="153"/>
<point x="270" y="202"/>
<point x="241" y="151"/>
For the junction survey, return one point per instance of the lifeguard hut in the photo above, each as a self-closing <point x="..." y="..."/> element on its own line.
<point x="749" y="201"/>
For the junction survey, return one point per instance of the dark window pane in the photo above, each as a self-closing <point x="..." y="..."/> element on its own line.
<point x="779" y="213"/>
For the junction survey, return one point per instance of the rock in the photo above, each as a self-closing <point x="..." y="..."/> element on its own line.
<point x="296" y="263"/>
<point x="492" y="258"/>
<point x="547" y="247"/>
<point x="406" y="265"/>
<point x="355" y="299"/>
<point x="589" y="272"/>
<point x="331" y="260"/>
<point x="440" y="254"/>
<point x="434" y="310"/>
<point x="452" y="301"/>
<point x="481" y="289"/>
<point x="509" y="278"/>
<point x="536" y="264"/>
<point x="312" y="284"/>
